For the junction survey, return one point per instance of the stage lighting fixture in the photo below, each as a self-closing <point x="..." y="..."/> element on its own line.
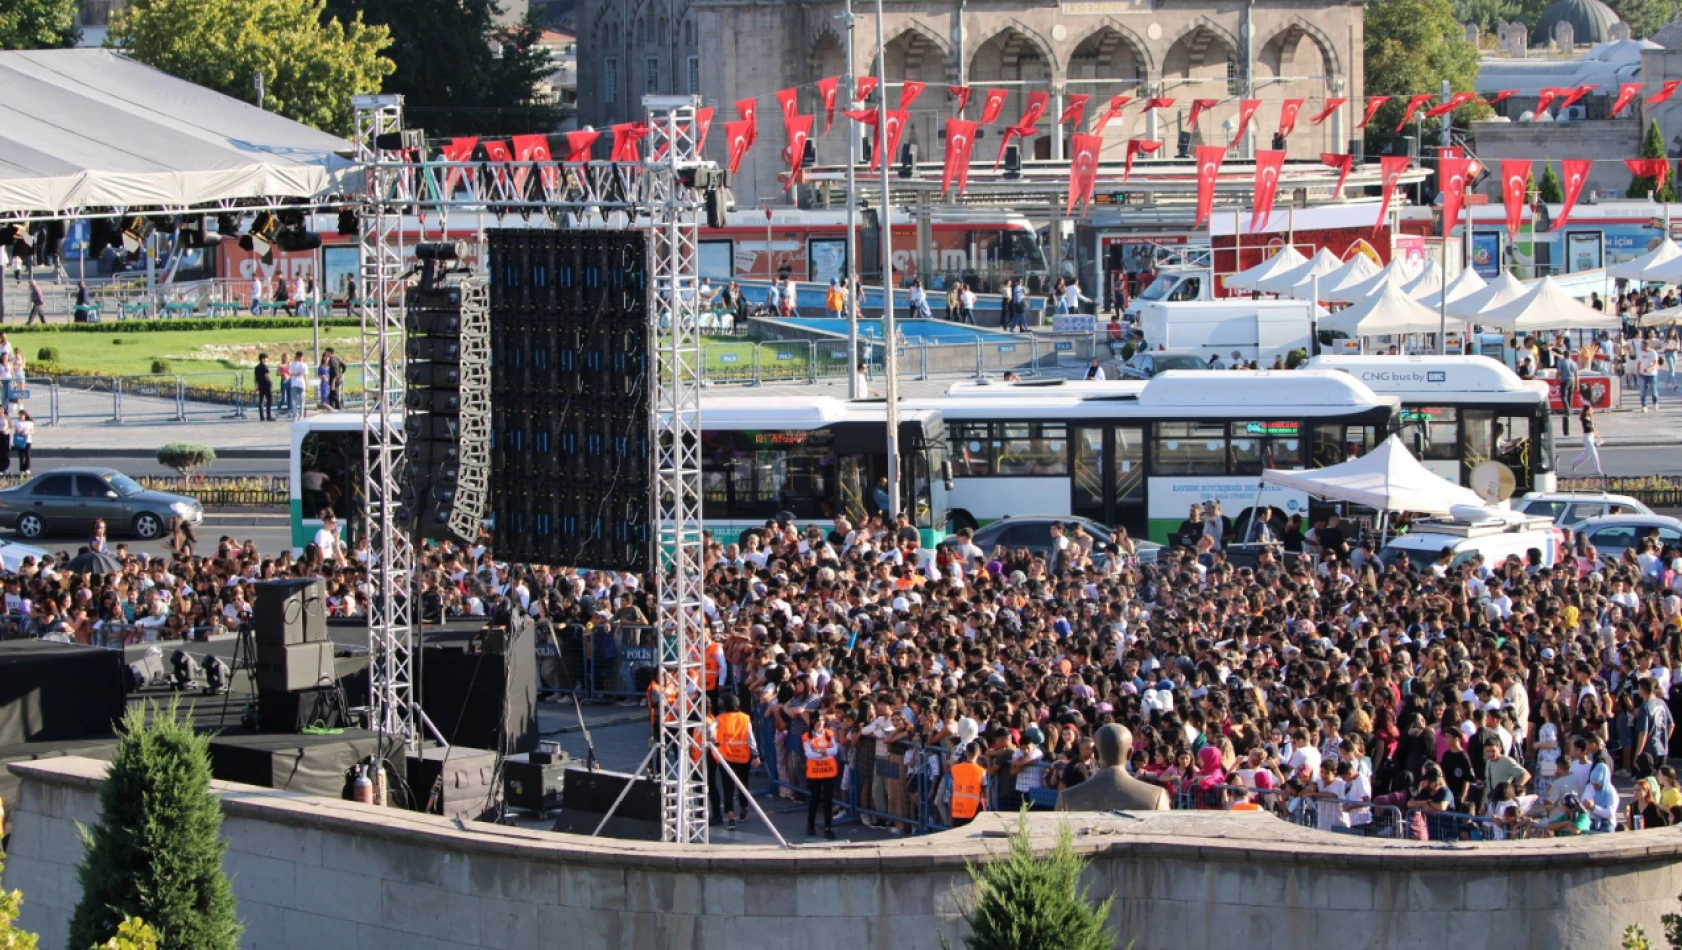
<point x="1013" y="162"/>
<point x="348" y="222"/>
<point x="404" y="140"/>
<point x="441" y="251"/>
<point x="297" y="239"/>
<point x="260" y="236"/>
<point x="227" y="225"/>
<point x="136" y="229"/>
<point x="1182" y="145"/>
<point x="217" y="675"/>
<point x="907" y="160"/>
<point x="809" y="155"/>
<point x="186" y="675"/>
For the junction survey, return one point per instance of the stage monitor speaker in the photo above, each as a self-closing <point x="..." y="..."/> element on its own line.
<point x="586" y="796"/>
<point x="294" y="668"/>
<point x="281" y="711"/>
<point x="289" y="612"/>
<point x="457" y="781"/>
<point x="532" y="786"/>
<point x="484" y="700"/>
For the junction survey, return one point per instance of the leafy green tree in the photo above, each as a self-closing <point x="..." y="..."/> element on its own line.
<point x="1024" y="900"/>
<point x="1551" y="190"/>
<point x="312" y="65"/>
<point x="38" y="24"/>
<point x="155" y="852"/>
<point x="458" y="71"/>
<point x="11" y="938"/>
<point x="1640" y="186"/>
<point x="1645" y="16"/>
<point x="1411" y="47"/>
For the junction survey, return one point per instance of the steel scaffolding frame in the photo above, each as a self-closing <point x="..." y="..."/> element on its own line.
<point x="473" y="473"/>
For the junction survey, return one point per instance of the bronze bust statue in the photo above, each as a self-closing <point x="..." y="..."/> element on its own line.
<point x="1111" y="786"/>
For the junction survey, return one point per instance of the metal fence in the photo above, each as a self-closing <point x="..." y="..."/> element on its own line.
<point x="782" y="361"/>
<point x="1654" y="491"/>
<point x="212" y="491"/>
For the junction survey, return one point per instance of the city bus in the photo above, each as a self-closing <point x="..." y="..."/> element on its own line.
<point x="1461" y="411"/>
<point x="813" y="458"/>
<point x="1139" y="455"/>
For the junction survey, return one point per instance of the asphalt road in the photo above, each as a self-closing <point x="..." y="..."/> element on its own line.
<point x="270" y="538"/>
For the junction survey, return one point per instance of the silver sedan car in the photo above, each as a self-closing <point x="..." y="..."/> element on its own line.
<point x="66" y="502"/>
<point x="1612" y="535"/>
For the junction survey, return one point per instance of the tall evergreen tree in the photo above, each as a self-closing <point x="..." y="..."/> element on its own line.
<point x="155" y="852"/>
<point x="459" y="73"/>
<point x="1551" y="189"/>
<point x="1641" y="186"/>
<point x="1025" y="900"/>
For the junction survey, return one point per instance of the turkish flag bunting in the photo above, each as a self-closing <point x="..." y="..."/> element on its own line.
<point x="867" y="116"/>
<point x="908" y="93"/>
<point x="739" y="136"/>
<point x="1117" y="103"/>
<point x="1665" y="93"/>
<point x="626" y="135"/>
<point x="748" y="111"/>
<point x="960" y="142"/>
<point x="1340" y="161"/>
<point x="1571" y="96"/>
<point x="1208" y="169"/>
<point x="1450" y="151"/>
<point x="1332" y="105"/>
<point x="1452" y="103"/>
<point x="1288" y="116"/>
<point x="460" y="150"/>
<point x="1076" y="108"/>
<point x="1037" y="101"/>
<point x="1391" y="167"/>
<point x="1576" y="174"/>
<point x="1414" y="105"/>
<point x="1198" y="107"/>
<point x="1083" y="167"/>
<point x="1657" y="169"/>
<point x="1269" y="162"/>
<point x="1626" y="95"/>
<point x="788" y="101"/>
<point x="579" y="145"/>
<point x="1515" y="175"/>
<point x="799" y="130"/>
<point x="1373" y="105"/>
<point x="896" y="125"/>
<point x="830" y="90"/>
<point x="992" y="104"/>
<point x="496" y="150"/>
<point x="1546" y="98"/>
<point x="1501" y="96"/>
<point x="1135" y="148"/>
<point x="1246" y="110"/>
<point x="866" y="86"/>
<point x="960" y="93"/>
<point x="1157" y="104"/>
<point x="1451" y="181"/>
<point x="1005" y="142"/>
<point x="703" y="126"/>
<point x="533" y="148"/>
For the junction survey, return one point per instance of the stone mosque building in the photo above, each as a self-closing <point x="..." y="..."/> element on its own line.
<point x="725" y="50"/>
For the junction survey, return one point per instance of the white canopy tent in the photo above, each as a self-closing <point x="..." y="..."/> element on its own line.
<point x="1357" y="269"/>
<point x="1669" y="317"/>
<point x="1301" y="277"/>
<point x="1251" y="279"/>
<point x="1502" y="289"/>
<point x="1464" y="283"/>
<point x="1394" y="273"/>
<point x="1547" y="307"/>
<point x="88" y="130"/>
<point x="1654" y="260"/>
<point x="1390" y="311"/>
<point x="1388" y="478"/>
<point x="1429" y="281"/>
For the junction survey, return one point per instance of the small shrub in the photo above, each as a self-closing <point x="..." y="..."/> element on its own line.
<point x="47" y="354"/>
<point x="1296" y="358"/>
<point x="1024" y="900"/>
<point x="1127" y="350"/>
<point x="117" y="342"/>
<point x="162" y="366"/>
<point x="186" y="457"/>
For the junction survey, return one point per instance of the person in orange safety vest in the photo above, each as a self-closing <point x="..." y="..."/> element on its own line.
<point x="822" y="772"/>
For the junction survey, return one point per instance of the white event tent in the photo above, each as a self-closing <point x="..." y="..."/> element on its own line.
<point x="1464" y="283"/>
<point x="1388" y="478"/>
<point x="1251" y="279"/>
<point x="1301" y="277"/>
<point x="1546" y="306"/>
<point x="1390" y="311"/>
<point x="1429" y="281"/>
<point x="1394" y="273"/>
<point x="1655" y="260"/>
<point x="1502" y="289"/>
<point x="1357" y="269"/>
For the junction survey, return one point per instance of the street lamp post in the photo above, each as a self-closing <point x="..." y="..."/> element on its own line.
<point x="890" y="340"/>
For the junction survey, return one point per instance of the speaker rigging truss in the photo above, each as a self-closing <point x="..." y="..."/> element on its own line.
<point x="661" y="194"/>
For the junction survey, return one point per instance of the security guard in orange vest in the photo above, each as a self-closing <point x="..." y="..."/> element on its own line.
<point x="740" y="752"/>
<point x="969" y="782"/>
<point x="717" y="670"/>
<point x="822" y="772"/>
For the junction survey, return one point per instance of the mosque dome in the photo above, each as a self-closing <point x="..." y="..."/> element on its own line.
<point x="1591" y="21"/>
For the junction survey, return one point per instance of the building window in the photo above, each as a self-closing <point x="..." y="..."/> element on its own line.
<point x="694" y="75"/>
<point x="610" y="77"/>
<point x="651" y="70"/>
<point x="1233" y="86"/>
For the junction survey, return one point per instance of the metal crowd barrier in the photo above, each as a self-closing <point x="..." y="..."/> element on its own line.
<point x="602" y="663"/>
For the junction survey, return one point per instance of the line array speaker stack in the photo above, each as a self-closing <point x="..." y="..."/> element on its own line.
<point x="571" y="469"/>
<point x="432" y="368"/>
<point x="296" y="678"/>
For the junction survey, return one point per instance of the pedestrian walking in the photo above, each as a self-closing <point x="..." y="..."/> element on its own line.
<point x="834" y="300"/>
<point x="966" y="305"/>
<point x="1647" y="369"/>
<point x="1591" y="444"/>
<point x="297" y="377"/>
<point x="1566" y="368"/>
<point x="23" y="439"/>
<point x="335" y="380"/>
<point x="37" y="304"/>
<point x="955" y="301"/>
<point x="257" y="297"/>
<point x="263" y="375"/>
<point x="284" y="369"/>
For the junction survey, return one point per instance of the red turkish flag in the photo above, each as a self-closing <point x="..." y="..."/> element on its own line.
<point x="867" y="116"/>
<point x="703" y="126"/>
<point x="1037" y="101"/>
<point x="960" y="93"/>
<point x="908" y="93"/>
<point x="960" y="142"/>
<point x="1117" y="103"/>
<point x="1657" y="169"/>
<point x="1269" y="162"/>
<point x="1288" y="116"/>
<point x="799" y="130"/>
<point x="1208" y="169"/>
<point x="1083" y="167"/>
<point x="1198" y="107"/>
<point x="1503" y="96"/>
<point x="1450" y="104"/>
<point x="1414" y="104"/>
<point x="748" y="111"/>
<point x="1452" y="176"/>
<point x="1546" y="98"/>
<point x="788" y="101"/>
<point x="1342" y="162"/>
<point x="1076" y="108"/>
<point x="532" y="148"/>
<point x="1004" y="143"/>
<point x="496" y="150"/>
<point x="1626" y="95"/>
<point x="459" y="150"/>
<point x="626" y="135"/>
<point x="1665" y="93"/>
<point x="579" y="145"/>
<point x="1332" y="105"/>
<point x="866" y="86"/>
<point x="1157" y="104"/>
<point x="1515" y="174"/>
<point x="1575" y="171"/>
<point x="993" y="104"/>
<point x="738" y="135"/>
<point x="896" y="125"/>
<point x="1136" y="147"/>
<point x="1246" y="110"/>
<point x="1571" y="96"/>
<point x="1391" y="167"/>
<point x="830" y="90"/>
<point x="1374" y="103"/>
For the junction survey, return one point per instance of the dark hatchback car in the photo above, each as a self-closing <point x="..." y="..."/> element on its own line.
<point x="1034" y="533"/>
<point x="67" y="501"/>
<point x="1148" y="363"/>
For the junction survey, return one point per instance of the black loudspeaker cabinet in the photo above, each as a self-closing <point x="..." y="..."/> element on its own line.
<point x="465" y="791"/>
<point x="280" y="711"/>
<point x="586" y="796"/>
<point x="294" y="668"/>
<point x="532" y="786"/>
<point x="484" y="700"/>
<point x="290" y="611"/>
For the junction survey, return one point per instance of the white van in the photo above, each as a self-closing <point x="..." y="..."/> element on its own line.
<point x="1256" y="329"/>
<point x="1490" y="533"/>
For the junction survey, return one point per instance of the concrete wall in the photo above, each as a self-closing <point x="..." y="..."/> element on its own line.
<point x="330" y="875"/>
<point x="1609" y="142"/>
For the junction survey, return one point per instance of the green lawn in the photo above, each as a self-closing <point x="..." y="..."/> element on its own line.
<point x="188" y="351"/>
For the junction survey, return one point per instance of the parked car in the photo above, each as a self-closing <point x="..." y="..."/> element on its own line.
<point x="1034" y="533"/>
<point x="1612" y="535"/>
<point x="1147" y="363"/>
<point x="67" y="501"/>
<point x="1571" y="508"/>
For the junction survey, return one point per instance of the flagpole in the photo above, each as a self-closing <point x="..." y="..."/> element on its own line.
<point x="890" y="357"/>
<point x="849" y="280"/>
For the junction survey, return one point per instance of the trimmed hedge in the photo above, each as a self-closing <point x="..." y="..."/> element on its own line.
<point x="192" y="324"/>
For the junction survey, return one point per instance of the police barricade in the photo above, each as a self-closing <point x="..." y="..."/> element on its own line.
<point x="1423" y="824"/>
<point x="560" y="656"/>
